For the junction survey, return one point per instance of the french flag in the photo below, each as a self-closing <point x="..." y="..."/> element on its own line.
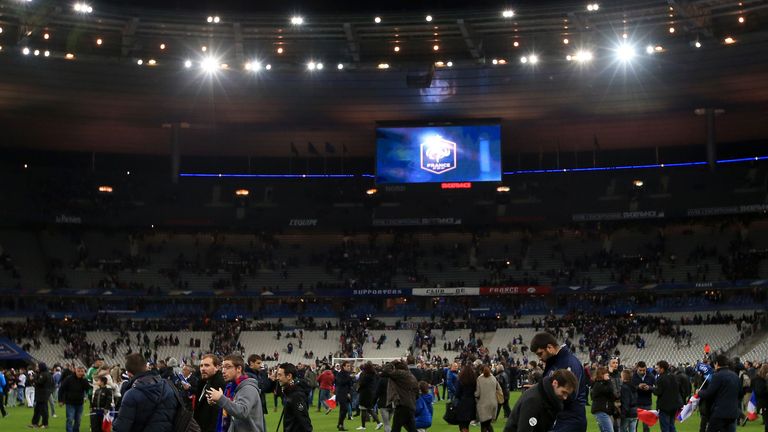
<point x="649" y="417"/>
<point x="106" y="423"/>
<point x="331" y="402"/>
<point x="752" y="408"/>
<point x="689" y="408"/>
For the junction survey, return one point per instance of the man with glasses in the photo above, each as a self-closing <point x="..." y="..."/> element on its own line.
<point x="573" y="417"/>
<point x="239" y="400"/>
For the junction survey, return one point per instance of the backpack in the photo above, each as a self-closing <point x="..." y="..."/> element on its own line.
<point x="183" y="420"/>
<point x="746" y="382"/>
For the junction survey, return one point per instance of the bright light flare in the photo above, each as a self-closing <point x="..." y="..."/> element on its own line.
<point x="297" y="20"/>
<point x="509" y="13"/>
<point x="625" y="52"/>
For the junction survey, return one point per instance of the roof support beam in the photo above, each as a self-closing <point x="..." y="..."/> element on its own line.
<point x="129" y="38"/>
<point x="353" y="42"/>
<point x="695" y="17"/>
<point x="475" y="48"/>
<point x="239" y="51"/>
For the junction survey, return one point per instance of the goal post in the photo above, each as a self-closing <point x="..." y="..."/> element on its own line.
<point x="359" y="361"/>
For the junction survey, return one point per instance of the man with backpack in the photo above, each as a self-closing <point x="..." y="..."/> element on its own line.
<point x="150" y="404"/>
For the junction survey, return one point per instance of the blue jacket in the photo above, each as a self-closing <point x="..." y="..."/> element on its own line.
<point x="149" y="405"/>
<point x="573" y="417"/>
<point x="2" y="383"/>
<point x="424" y="411"/>
<point x="723" y="392"/>
<point x="452" y="378"/>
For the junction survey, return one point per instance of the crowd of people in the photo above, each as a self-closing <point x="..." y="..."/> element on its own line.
<point x="224" y="392"/>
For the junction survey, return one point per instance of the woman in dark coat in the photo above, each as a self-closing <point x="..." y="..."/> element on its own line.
<point x="603" y="398"/>
<point x="760" y="387"/>
<point x="466" y="409"/>
<point x="366" y="388"/>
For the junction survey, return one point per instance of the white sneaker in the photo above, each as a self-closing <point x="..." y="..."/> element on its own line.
<point x="379" y="426"/>
<point x="360" y="428"/>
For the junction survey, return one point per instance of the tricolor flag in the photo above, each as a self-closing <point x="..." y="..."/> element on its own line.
<point x="649" y="417"/>
<point x="752" y="408"/>
<point x="689" y="408"/>
<point x="331" y="402"/>
<point x="106" y="423"/>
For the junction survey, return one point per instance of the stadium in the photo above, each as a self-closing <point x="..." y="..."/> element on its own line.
<point x="429" y="186"/>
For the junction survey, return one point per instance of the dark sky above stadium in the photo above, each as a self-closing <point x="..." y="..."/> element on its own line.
<point x="323" y="6"/>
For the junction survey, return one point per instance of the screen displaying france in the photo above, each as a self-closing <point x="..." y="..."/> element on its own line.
<point x="431" y="154"/>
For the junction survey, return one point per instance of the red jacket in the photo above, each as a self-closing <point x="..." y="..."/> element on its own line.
<point x="325" y="380"/>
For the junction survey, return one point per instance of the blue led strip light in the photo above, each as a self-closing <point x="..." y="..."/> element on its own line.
<point x="539" y="171"/>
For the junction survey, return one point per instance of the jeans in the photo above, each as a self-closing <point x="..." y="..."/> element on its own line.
<point x="386" y="417"/>
<point x="310" y="397"/>
<point x="52" y="405"/>
<point x="628" y="424"/>
<point x="74" y="414"/>
<point x="667" y="422"/>
<point x="20" y="394"/>
<point x="322" y="397"/>
<point x="41" y="413"/>
<point x="604" y="422"/>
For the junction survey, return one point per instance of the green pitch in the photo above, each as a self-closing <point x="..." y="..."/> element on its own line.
<point x="19" y="418"/>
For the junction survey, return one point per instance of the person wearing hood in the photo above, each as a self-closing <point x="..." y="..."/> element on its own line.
<point x="402" y="391"/>
<point x="295" y="407"/>
<point x="424" y="409"/>
<point x="149" y="403"/>
<point x="206" y="414"/>
<point x="537" y="408"/>
<point x="43" y="390"/>
<point x="239" y="401"/>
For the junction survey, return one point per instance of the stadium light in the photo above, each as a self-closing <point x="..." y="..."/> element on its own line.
<point x="428" y="18"/>
<point x="625" y="52"/>
<point x="371" y="191"/>
<point x="105" y="189"/>
<point x="697" y="44"/>
<point x="209" y="65"/>
<point x="99" y="41"/>
<point x="377" y="20"/>
<point x="340" y="66"/>
<point x="83" y="8"/>
<point x="242" y="192"/>
<point x="188" y="64"/>
<point x="508" y="13"/>
<point x="729" y="40"/>
<point x="311" y="66"/>
<point x="383" y="66"/>
<point x="25" y="51"/>
<point x="297" y="20"/>
<point x="253" y="66"/>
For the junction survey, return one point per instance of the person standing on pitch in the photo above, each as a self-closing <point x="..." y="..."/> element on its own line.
<point x="239" y="401"/>
<point x="295" y="415"/>
<point x="537" y="408"/>
<point x="573" y="417"/>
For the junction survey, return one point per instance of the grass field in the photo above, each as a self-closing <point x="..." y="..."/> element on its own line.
<point x="19" y="418"/>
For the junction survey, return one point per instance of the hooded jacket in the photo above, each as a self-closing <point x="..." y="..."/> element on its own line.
<point x="245" y="410"/>
<point x="403" y="389"/>
<point x="424" y="411"/>
<point x="149" y="405"/>
<point x="536" y="410"/>
<point x="43" y="384"/>
<point x="367" y="389"/>
<point x="206" y="415"/>
<point x="296" y="410"/>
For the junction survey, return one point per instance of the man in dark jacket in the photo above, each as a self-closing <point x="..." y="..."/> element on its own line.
<point x="538" y="407"/>
<point x="503" y="379"/>
<point x="295" y="407"/>
<point x="644" y="382"/>
<point x="573" y="417"/>
<point x="670" y="399"/>
<point x="72" y="392"/>
<point x="402" y="391"/>
<point x="149" y="404"/>
<point x="206" y="414"/>
<point x="723" y="393"/>
<point x="343" y="392"/>
<point x="43" y="390"/>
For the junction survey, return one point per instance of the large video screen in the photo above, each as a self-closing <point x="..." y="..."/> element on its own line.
<point x="430" y="154"/>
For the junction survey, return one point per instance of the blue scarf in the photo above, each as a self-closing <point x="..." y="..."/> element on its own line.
<point x="222" y="423"/>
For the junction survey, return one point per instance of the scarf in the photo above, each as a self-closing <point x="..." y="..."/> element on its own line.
<point x="222" y="423"/>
